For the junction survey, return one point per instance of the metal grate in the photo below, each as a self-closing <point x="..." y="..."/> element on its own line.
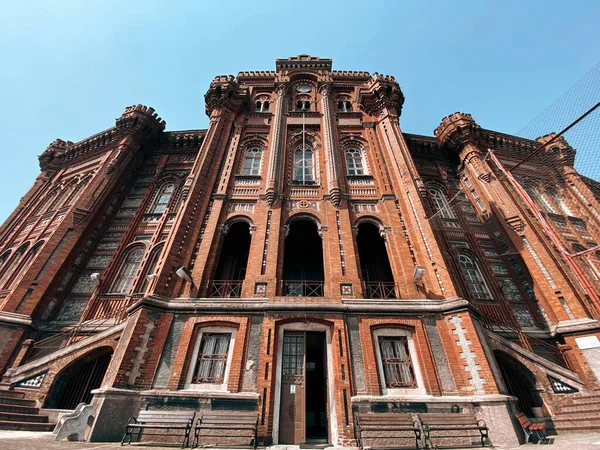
<point x="397" y="365"/>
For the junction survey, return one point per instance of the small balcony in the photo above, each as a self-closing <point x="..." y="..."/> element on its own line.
<point x="380" y="289"/>
<point x="302" y="288"/>
<point x="225" y="288"/>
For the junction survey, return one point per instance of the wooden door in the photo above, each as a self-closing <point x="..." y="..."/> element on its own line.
<point x="292" y="414"/>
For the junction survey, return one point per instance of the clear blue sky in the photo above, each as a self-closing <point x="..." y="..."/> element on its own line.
<point x="68" y="68"/>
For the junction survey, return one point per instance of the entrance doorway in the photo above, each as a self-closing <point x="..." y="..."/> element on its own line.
<point x="303" y="407"/>
<point x="520" y="383"/>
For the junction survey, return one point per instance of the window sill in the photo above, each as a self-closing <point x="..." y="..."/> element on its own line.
<point x="248" y="177"/>
<point x="360" y="177"/>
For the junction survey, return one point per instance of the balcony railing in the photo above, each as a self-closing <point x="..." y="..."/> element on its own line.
<point x="302" y="288"/>
<point x="380" y="289"/>
<point x="226" y="288"/>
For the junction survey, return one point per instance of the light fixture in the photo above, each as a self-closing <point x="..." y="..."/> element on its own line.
<point x="418" y="274"/>
<point x="95" y="277"/>
<point x="151" y="276"/>
<point x="184" y="272"/>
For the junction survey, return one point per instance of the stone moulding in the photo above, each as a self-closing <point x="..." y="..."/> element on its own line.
<point x="253" y="305"/>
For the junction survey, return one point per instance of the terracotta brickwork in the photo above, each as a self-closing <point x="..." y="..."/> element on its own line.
<point x="154" y="236"/>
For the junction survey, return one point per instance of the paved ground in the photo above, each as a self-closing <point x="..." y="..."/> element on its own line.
<point x="26" y="440"/>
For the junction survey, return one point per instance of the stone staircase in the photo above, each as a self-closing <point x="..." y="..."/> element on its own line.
<point x="18" y="413"/>
<point x="578" y="412"/>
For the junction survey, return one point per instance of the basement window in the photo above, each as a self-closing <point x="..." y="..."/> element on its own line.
<point x="211" y="359"/>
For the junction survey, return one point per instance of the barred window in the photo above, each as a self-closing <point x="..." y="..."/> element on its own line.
<point x="354" y="162"/>
<point x="252" y="162"/>
<point x="397" y="365"/>
<point x="212" y="358"/>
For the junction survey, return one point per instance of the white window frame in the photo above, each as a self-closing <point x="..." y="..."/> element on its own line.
<point x="222" y="387"/>
<point x="393" y="332"/>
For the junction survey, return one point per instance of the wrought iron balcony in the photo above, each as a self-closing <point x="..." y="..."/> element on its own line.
<point x="302" y="288"/>
<point x="380" y="289"/>
<point x="226" y="288"/>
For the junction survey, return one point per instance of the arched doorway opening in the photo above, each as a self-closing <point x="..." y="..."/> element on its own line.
<point x="303" y="272"/>
<point x="75" y="383"/>
<point x="376" y="271"/>
<point x="520" y="383"/>
<point x="233" y="261"/>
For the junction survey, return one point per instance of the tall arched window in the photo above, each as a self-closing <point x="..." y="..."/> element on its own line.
<point x="304" y="165"/>
<point x="12" y="263"/>
<point x="354" y="162"/>
<point x="252" y="162"/>
<point x="151" y="267"/>
<point x="473" y="278"/>
<point x="440" y="203"/>
<point x="128" y="269"/>
<point x="22" y="266"/>
<point x="162" y="199"/>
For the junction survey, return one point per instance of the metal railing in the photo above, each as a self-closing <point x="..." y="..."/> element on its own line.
<point x="548" y="350"/>
<point x="226" y="288"/>
<point x="380" y="289"/>
<point x="104" y="311"/>
<point x="302" y="288"/>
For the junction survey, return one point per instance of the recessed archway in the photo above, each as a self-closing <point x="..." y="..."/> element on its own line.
<point x="233" y="261"/>
<point x="303" y="270"/>
<point x="75" y="383"/>
<point x="520" y="382"/>
<point x="375" y="265"/>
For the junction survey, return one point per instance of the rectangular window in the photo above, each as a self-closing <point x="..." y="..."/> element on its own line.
<point x="397" y="365"/>
<point x="212" y="358"/>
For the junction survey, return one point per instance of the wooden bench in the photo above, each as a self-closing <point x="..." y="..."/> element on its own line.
<point x="226" y="428"/>
<point x="387" y="431"/>
<point x="454" y="430"/>
<point x="161" y="420"/>
<point x="530" y="428"/>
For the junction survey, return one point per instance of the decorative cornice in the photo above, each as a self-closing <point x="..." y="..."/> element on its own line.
<point x="226" y="92"/>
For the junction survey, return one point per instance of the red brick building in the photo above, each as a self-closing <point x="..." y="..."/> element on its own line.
<point x="304" y="258"/>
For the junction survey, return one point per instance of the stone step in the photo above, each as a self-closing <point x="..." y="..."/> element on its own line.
<point x="26" y="426"/>
<point x="19" y="409"/>
<point x="17" y="401"/>
<point x="16" y="417"/>
<point x="576" y="427"/>
<point x="13" y="394"/>
<point x="587" y="414"/>
<point x="585" y="400"/>
<point x="592" y="406"/>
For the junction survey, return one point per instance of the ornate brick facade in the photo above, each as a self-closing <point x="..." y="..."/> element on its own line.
<point x="406" y="269"/>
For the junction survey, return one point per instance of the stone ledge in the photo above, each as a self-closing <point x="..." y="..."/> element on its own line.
<point x="183" y="393"/>
<point x="15" y="318"/>
<point x="249" y="305"/>
<point x="491" y="398"/>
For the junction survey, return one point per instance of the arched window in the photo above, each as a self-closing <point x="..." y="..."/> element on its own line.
<point x="473" y="278"/>
<point x="344" y="105"/>
<point x="262" y="105"/>
<point x="562" y="205"/>
<point x="303" y="104"/>
<point x="23" y="265"/>
<point x="162" y="199"/>
<point x="304" y="165"/>
<point x="252" y="162"/>
<point x="150" y="268"/>
<point x="128" y="269"/>
<point x="12" y="263"/>
<point x="440" y="203"/>
<point x="354" y="162"/>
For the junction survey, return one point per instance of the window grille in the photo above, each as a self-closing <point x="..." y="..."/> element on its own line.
<point x="397" y="364"/>
<point x="212" y="359"/>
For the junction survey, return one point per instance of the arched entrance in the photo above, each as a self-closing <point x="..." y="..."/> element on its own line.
<point x="374" y="262"/>
<point x="75" y="383"/>
<point x="520" y="382"/>
<point x="303" y="272"/>
<point x="233" y="261"/>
